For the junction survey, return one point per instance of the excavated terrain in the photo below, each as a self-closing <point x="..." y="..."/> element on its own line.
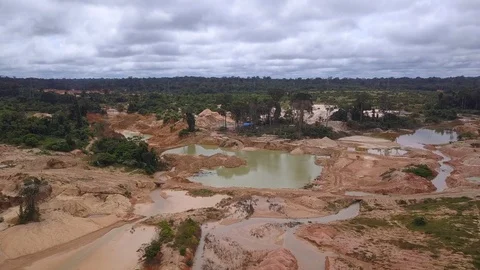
<point x="79" y="200"/>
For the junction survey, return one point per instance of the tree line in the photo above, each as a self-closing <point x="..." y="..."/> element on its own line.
<point x="239" y="84"/>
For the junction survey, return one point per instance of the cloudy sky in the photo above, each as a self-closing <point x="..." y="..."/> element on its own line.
<point x="278" y="38"/>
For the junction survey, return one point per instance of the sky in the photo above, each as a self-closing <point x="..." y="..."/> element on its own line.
<point x="215" y="38"/>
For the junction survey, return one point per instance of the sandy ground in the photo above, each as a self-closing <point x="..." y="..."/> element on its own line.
<point x="82" y="200"/>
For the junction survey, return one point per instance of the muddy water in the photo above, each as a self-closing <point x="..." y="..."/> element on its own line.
<point x="425" y="136"/>
<point x="387" y="152"/>
<point x="420" y="138"/>
<point x="173" y="201"/>
<point x="308" y="257"/>
<point x="443" y="172"/>
<point x="264" y="169"/>
<point x="117" y="249"/>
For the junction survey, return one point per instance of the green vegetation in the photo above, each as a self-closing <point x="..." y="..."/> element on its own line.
<point x="188" y="235"/>
<point x="203" y="192"/>
<point x="361" y="223"/>
<point x="401" y="243"/>
<point x="419" y="221"/>
<point x="59" y="132"/>
<point x="129" y="153"/>
<point x="185" y="236"/>
<point x="458" y="232"/>
<point x="421" y="170"/>
<point x="29" y="211"/>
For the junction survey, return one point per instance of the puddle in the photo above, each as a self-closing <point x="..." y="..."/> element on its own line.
<point x="308" y="257"/>
<point x="264" y="169"/>
<point x="427" y="136"/>
<point x="117" y="249"/>
<point x="175" y="202"/>
<point x="387" y="152"/>
<point x="132" y="134"/>
<point x="358" y="193"/>
<point x="475" y="179"/>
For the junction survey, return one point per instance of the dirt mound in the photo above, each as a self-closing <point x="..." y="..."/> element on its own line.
<point x="281" y="259"/>
<point x="231" y="143"/>
<point x="42" y="115"/>
<point x="212" y="120"/>
<point x="297" y="151"/>
<point x="54" y="163"/>
<point x="374" y="174"/>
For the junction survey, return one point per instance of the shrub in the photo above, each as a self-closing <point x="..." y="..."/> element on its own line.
<point x="28" y="208"/>
<point x="340" y="115"/>
<point x="188" y="234"/>
<point x="104" y="159"/>
<point x="151" y="252"/>
<point x="419" y="221"/>
<point x="129" y="153"/>
<point x="421" y="170"/>
<point x="203" y="192"/>
<point x="58" y="145"/>
<point x="183" y="133"/>
<point x="183" y="251"/>
<point x="467" y="136"/>
<point x="31" y="140"/>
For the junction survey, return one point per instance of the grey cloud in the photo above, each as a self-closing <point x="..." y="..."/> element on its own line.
<point x="284" y="38"/>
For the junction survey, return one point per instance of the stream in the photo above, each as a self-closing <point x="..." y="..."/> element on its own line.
<point x="307" y="255"/>
<point x="423" y="136"/>
<point x="117" y="249"/>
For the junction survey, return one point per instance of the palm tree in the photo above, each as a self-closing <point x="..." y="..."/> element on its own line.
<point x="301" y="102"/>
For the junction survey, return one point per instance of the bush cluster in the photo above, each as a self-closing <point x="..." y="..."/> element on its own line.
<point x="129" y="153"/>
<point x="421" y="170"/>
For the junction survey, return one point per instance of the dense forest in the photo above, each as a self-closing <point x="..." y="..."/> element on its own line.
<point x="249" y="84"/>
<point x="273" y="104"/>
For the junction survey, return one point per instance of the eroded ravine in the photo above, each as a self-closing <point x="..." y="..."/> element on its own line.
<point x="308" y="257"/>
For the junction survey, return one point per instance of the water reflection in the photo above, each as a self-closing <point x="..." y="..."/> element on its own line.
<point x="427" y="136"/>
<point x="264" y="169"/>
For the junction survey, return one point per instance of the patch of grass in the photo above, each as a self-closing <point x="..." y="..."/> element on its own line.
<point x="421" y="170"/>
<point x="339" y="204"/>
<point x="363" y="222"/>
<point x="201" y="192"/>
<point x="459" y="233"/>
<point x="188" y="235"/>
<point x="458" y="204"/>
<point x="403" y="244"/>
<point x="419" y="221"/>
<point x="166" y="234"/>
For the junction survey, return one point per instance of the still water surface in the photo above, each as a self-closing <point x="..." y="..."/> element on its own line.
<point x="264" y="169"/>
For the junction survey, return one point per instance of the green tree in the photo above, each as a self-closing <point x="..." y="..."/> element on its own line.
<point x="190" y="121"/>
<point x="276" y="95"/>
<point x="301" y="102"/>
<point x="28" y="209"/>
